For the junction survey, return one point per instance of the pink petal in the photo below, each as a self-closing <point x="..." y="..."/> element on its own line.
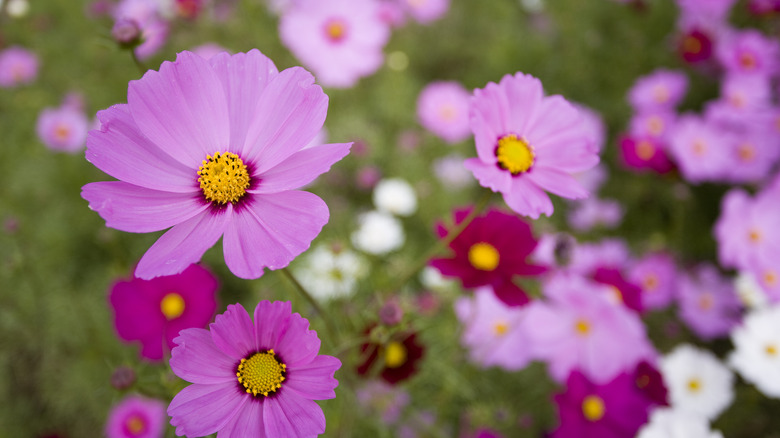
<point x="557" y="182"/>
<point x="137" y="209"/>
<point x="314" y="380"/>
<point x="244" y="76"/>
<point x="489" y="175"/>
<point x="234" y="333"/>
<point x="289" y="415"/>
<point x="248" y="422"/>
<point x="184" y="244"/>
<point x="272" y="229"/>
<point x="301" y="168"/>
<point x="524" y="93"/>
<point x="182" y="109"/>
<point x="121" y="150"/>
<point x="270" y="322"/>
<point x="527" y="199"/>
<point x="197" y="359"/>
<point x="200" y="410"/>
<point x="298" y="345"/>
<point x="569" y="152"/>
<point x="290" y="112"/>
<point x="555" y="116"/>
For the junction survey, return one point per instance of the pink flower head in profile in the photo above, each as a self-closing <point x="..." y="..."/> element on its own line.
<point x="580" y="327"/>
<point x="155" y="311"/>
<point x="644" y="152"/>
<point x="614" y="409"/>
<point x="214" y="149"/>
<point x="708" y="303"/>
<point x="443" y="109"/>
<point x="656" y="274"/>
<point x="339" y="40"/>
<point x="494" y="333"/>
<point x="700" y="149"/>
<point x="17" y="66"/>
<point x="63" y="129"/>
<point x="252" y="379"/>
<point x="528" y="144"/>
<point x="490" y="251"/>
<point x="660" y="89"/>
<point x="747" y="231"/>
<point x="749" y="52"/>
<point x="136" y="417"/>
<point x="426" y="11"/>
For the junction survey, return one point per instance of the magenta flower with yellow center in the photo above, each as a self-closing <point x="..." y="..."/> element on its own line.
<point x="215" y="148"/>
<point x="529" y="144"/>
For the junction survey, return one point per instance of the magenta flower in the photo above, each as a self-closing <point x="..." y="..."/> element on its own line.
<point x="749" y="52"/>
<point x="490" y="251"/>
<point x="214" y="148"/>
<point x="252" y="379"/>
<point x="528" y="143"/>
<point x="63" y="129"/>
<point x="624" y="291"/>
<point x="644" y="152"/>
<point x="155" y="311"/>
<point x="443" y="109"/>
<point x="656" y="274"/>
<point x="136" y="417"/>
<point x="708" y="303"/>
<point x="660" y="89"/>
<point x="17" y="66"/>
<point x="339" y="40"/>
<point x="695" y="45"/>
<point x="612" y="410"/>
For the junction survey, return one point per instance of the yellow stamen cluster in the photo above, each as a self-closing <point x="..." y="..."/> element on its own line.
<point x="500" y="328"/>
<point x="261" y="373"/>
<point x="645" y="150"/>
<point x="136" y="425"/>
<point x="395" y="354"/>
<point x="582" y="327"/>
<point x="593" y="408"/>
<point x="335" y="30"/>
<point x="223" y="178"/>
<point x="172" y="305"/>
<point x="771" y="350"/>
<point x="484" y="256"/>
<point x="514" y="154"/>
<point x="694" y="385"/>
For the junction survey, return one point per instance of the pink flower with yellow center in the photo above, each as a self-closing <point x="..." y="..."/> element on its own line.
<point x="215" y="149"/>
<point x="529" y="144"/>
<point x="136" y="417"/>
<point x="17" y="66"/>
<point x="63" y="129"/>
<point x="708" y="303"/>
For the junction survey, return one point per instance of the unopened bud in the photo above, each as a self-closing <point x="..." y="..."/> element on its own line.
<point x="123" y="377"/>
<point x="126" y="32"/>
<point x="391" y="313"/>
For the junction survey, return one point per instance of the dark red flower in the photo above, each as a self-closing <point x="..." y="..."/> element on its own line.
<point x="398" y="358"/>
<point x="695" y="46"/>
<point x="650" y="383"/>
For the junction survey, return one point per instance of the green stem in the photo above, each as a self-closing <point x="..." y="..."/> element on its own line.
<point x="141" y="67"/>
<point x="329" y="327"/>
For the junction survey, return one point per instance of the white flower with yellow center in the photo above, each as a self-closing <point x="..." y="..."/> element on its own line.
<point x="328" y="272"/>
<point x="756" y="355"/>
<point x="669" y="423"/>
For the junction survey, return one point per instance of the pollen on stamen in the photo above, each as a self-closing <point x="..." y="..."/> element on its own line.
<point x="223" y="178"/>
<point x="514" y="154"/>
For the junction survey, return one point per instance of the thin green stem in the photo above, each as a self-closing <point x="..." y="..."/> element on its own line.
<point x="141" y="67"/>
<point x="329" y="326"/>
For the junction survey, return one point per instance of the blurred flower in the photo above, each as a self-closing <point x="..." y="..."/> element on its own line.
<point x="671" y="423"/>
<point x="395" y="196"/>
<point x="368" y="177"/>
<point x="708" y="303"/>
<point x="749" y="52"/>
<point x="426" y="11"/>
<point x="622" y="291"/>
<point x="252" y="379"/>
<point x="644" y="152"/>
<point x="594" y="124"/>
<point x="136" y="417"/>
<point x="154" y="311"/>
<point x="698" y="382"/>
<point x="649" y="381"/>
<point x="147" y="15"/>
<point x="747" y="231"/>
<point x="340" y="40"/>
<point x="209" y="50"/>
<point x="756" y="355"/>
<point x="126" y="32"/>
<point x="431" y="278"/>
<point x="443" y="109"/>
<point x="18" y="66"/>
<point x="656" y="274"/>
<point x="695" y="45"/>
<point x="328" y="272"/>
<point x="586" y="258"/>
<point x="63" y="129"/>
<point x="750" y="291"/>
<point x="659" y="89"/>
<point x="699" y="149"/>
<point x="452" y="173"/>
<point x="521" y="136"/>
<point x="396" y="360"/>
<point x="170" y="145"/>
<point x="189" y="9"/>
<point x="491" y="250"/>
<point x="594" y="212"/>
<point x="378" y="233"/>
<point x="123" y="377"/>
<point x="391" y="312"/>
<point x="611" y="410"/>
<point x="17" y="8"/>
<point x="494" y="333"/>
<point x="656" y="123"/>
<point x="381" y="399"/>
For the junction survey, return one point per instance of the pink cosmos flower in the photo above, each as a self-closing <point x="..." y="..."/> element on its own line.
<point x="644" y="152"/>
<point x="754" y="154"/>
<point x="747" y="231"/>
<point x="17" y="66"/>
<point x="426" y="11"/>
<point x="147" y="15"/>
<point x="528" y="143"/>
<point x="443" y="109"/>
<point x="214" y="148"/>
<point x="136" y="417"/>
<point x="155" y="311"/>
<point x="656" y="274"/>
<point x="340" y="40"/>
<point x="655" y="123"/>
<point x="494" y="333"/>
<point x="580" y="327"/>
<point x="659" y="89"/>
<point x="708" y="303"/>
<point x="491" y="250"/>
<point x="63" y="129"/>
<point x="252" y="379"/>
<point x="594" y="212"/>
<point x="700" y="149"/>
<point x="695" y="45"/>
<point x="749" y="52"/>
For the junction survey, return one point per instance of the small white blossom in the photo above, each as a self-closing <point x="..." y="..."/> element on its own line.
<point x="669" y="423"/>
<point x="395" y="196"/>
<point x="750" y="293"/>
<point x="378" y="233"/>
<point x="329" y="273"/>
<point x="756" y="355"/>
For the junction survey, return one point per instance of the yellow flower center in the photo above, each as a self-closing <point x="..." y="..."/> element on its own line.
<point x="754" y="235"/>
<point x="746" y="152"/>
<point x="500" y="328"/>
<point x="514" y="154"/>
<point x="771" y="350"/>
<point x="692" y="45"/>
<point x="262" y="373"/>
<point x="645" y="150"/>
<point x="223" y="178"/>
<point x="483" y="256"/>
<point x="335" y="29"/>
<point x="748" y="61"/>
<point x="650" y="282"/>
<point x="135" y="424"/>
<point x="593" y="408"/>
<point x="694" y="385"/>
<point x="62" y="132"/>
<point x="582" y="327"/>
<point x="395" y="354"/>
<point x="172" y="305"/>
<point x="770" y="277"/>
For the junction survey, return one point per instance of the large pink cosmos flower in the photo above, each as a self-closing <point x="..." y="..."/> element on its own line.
<point x="214" y="148"/>
<point x="252" y="379"/>
<point x="528" y="144"/>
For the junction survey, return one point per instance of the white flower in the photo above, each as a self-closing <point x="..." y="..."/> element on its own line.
<point x="17" y="8"/>
<point x="669" y="423"/>
<point x="396" y="196"/>
<point x="327" y="273"/>
<point x="750" y="293"/>
<point x="697" y="381"/>
<point x="378" y="233"/>
<point x="757" y="350"/>
<point x="431" y="278"/>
